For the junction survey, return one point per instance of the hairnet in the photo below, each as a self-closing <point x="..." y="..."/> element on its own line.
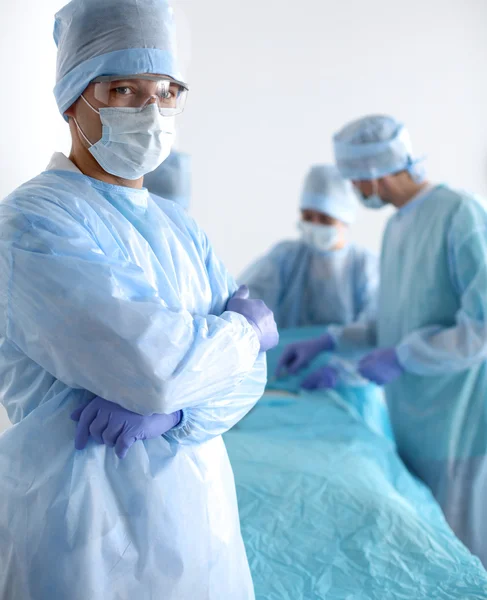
<point x="111" y="37"/>
<point x="375" y="146"/>
<point x="172" y="179"/>
<point x="326" y="191"/>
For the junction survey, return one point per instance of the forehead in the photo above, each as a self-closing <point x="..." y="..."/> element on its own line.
<point x="147" y="76"/>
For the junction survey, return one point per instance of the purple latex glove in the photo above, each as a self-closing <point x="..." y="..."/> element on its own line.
<point x="381" y="366"/>
<point x="110" y="424"/>
<point x="325" y="378"/>
<point x="258" y="315"/>
<point x="297" y="356"/>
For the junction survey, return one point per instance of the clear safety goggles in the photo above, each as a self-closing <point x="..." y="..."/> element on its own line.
<point x="137" y="91"/>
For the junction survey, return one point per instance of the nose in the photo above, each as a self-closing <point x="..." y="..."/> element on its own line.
<point x="151" y="100"/>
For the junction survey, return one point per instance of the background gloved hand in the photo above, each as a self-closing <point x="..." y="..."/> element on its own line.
<point x="258" y="315"/>
<point x="381" y="366"/>
<point x="110" y="424"/>
<point x="321" y="379"/>
<point x="297" y="356"/>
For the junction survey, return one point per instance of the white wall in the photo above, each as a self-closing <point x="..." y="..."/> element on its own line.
<point x="270" y="82"/>
<point x="273" y="80"/>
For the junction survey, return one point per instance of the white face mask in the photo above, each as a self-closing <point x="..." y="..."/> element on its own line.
<point x="320" y="237"/>
<point x="374" y="200"/>
<point x="134" y="142"/>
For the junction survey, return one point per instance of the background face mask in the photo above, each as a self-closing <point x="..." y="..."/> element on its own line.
<point x="134" y="142"/>
<point x="321" y="237"/>
<point x="373" y="201"/>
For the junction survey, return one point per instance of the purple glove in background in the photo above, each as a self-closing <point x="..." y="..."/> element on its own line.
<point x="323" y="378"/>
<point x="381" y="366"/>
<point x="258" y="315"/>
<point x="110" y="424"/>
<point x="297" y="356"/>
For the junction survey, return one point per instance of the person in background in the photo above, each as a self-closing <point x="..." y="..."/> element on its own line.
<point x="172" y="179"/>
<point x="428" y="344"/>
<point x="322" y="278"/>
<point x="116" y="312"/>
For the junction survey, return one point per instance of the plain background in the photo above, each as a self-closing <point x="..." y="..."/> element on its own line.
<point x="271" y="81"/>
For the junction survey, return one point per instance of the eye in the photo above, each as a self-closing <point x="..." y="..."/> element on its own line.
<point x="170" y="93"/>
<point x="122" y="90"/>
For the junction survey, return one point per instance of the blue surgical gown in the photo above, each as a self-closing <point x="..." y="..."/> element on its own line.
<point x="306" y="287"/>
<point x="106" y="291"/>
<point x="433" y="308"/>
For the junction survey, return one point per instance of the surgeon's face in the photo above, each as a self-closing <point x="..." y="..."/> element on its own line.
<point x="122" y="93"/>
<point x="319" y="218"/>
<point x="383" y="187"/>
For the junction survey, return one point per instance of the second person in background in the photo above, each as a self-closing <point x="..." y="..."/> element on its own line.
<point x="322" y="278"/>
<point x="172" y="179"/>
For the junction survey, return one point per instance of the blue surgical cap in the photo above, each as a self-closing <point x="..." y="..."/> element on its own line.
<point x="172" y="179"/>
<point x="326" y="191"/>
<point x="111" y="37"/>
<point x="373" y="147"/>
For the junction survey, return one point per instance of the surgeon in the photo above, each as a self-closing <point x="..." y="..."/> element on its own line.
<point x="172" y="179"/>
<point x="322" y="278"/>
<point x="428" y="345"/>
<point x="116" y="313"/>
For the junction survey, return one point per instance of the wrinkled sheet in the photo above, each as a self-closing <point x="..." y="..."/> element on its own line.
<point x="328" y="511"/>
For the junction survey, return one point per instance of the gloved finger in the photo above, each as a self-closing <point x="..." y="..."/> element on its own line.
<point x="362" y="372"/>
<point x="332" y="378"/>
<point x="76" y="414"/>
<point x="310" y="383"/>
<point x="363" y="364"/>
<point x="98" y="425"/>
<point x="243" y="293"/>
<point x="367" y="373"/>
<point x="286" y="359"/>
<point x="123" y="445"/>
<point x="112" y="433"/>
<point x="83" y="430"/>
<point x="297" y="365"/>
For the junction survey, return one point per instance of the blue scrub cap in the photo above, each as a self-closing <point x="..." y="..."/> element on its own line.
<point x="373" y="147"/>
<point x="326" y="191"/>
<point x="111" y="37"/>
<point x="172" y="179"/>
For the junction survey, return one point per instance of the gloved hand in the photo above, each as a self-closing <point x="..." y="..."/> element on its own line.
<point x="381" y="366"/>
<point x="110" y="424"/>
<point x="321" y="379"/>
<point x="258" y="315"/>
<point x="297" y="356"/>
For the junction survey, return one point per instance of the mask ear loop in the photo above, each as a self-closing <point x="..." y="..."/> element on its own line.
<point x="77" y="124"/>
<point x="92" y="107"/>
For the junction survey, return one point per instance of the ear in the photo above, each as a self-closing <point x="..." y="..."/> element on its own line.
<point x="70" y="112"/>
